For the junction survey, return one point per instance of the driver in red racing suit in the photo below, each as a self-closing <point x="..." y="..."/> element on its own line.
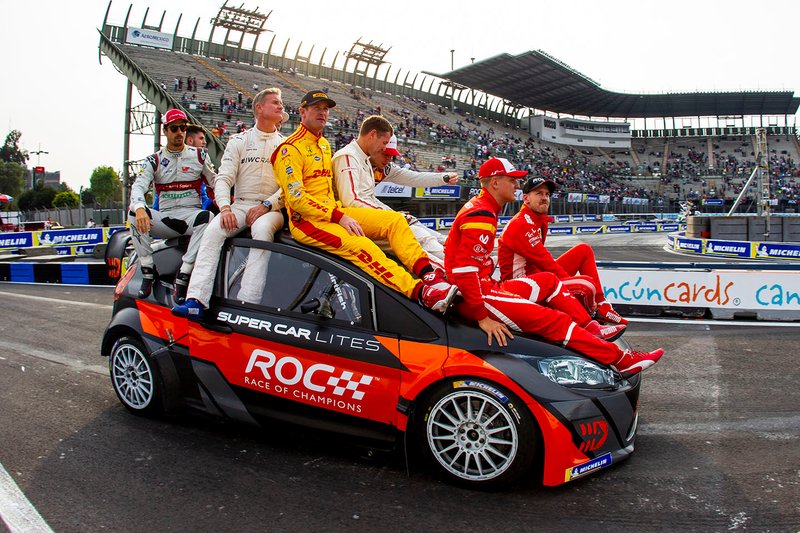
<point x="521" y="252"/>
<point x="500" y="307"/>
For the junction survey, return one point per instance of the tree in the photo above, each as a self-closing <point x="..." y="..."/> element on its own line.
<point x="105" y="184"/>
<point x="12" y="179"/>
<point x="10" y="152"/>
<point x="65" y="199"/>
<point x="38" y="198"/>
<point x="87" y="197"/>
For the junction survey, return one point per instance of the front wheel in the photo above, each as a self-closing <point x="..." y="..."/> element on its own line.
<point x="478" y="434"/>
<point x="135" y="377"/>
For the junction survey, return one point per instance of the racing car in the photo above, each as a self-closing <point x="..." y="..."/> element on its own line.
<point x="328" y="347"/>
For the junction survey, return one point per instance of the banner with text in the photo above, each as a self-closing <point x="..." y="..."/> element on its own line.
<point x="720" y="289"/>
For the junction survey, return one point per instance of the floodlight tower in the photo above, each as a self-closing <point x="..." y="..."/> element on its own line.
<point x="238" y="19"/>
<point x="368" y="53"/>
<point x="762" y="172"/>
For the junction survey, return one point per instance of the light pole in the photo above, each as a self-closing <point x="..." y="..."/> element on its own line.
<point x="452" y="85"/>
<point x="80" y="206"/>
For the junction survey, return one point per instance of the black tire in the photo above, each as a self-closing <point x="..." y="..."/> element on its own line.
<point x="135" y="378"/>
<point x="477" y="434"/>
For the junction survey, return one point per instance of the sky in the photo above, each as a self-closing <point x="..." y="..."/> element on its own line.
<point x="68" y="104"/>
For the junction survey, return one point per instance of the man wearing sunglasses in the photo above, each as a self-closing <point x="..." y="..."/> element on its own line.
<point x="177" y="173"/>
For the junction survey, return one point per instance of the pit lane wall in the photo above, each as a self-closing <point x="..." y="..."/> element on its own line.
<point x="68" y="243"/>
<point x="80" y="241"/>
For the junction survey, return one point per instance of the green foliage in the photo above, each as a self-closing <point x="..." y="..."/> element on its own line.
<point x="10" y="152"/>
<point x="65" y="199"/>
<point x="105" y="184"/>
<point x="38" y="198"/>
<point x="12" y="179"/>
<point x="87" y="197"/>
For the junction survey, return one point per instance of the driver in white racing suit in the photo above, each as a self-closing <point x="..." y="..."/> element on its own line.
<point x="177" y="173"/>
<point x="356" y="177"/>
<point x="257" y="203"/>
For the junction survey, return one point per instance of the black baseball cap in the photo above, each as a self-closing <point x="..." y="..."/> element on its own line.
<point x="532" y="183"/>
<point x="313" y="97"/>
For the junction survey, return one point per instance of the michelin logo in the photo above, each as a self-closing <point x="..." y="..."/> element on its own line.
<point x="767" y="252"/>
<point x="725" y="249"/>
<point x="13" y="242"/>
<point x="588" y="467"/>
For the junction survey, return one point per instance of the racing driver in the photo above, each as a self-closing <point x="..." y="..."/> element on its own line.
<point x="246" y="167"/>
<point x="500" y="307"/>
<point x="356" y="174"/>
<point x="304" y="171"/>
<point x="521" y="251"/>
<point x="177" y="173"/>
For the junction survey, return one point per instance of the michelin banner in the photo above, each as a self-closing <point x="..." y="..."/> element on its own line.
<point x="16" y="240"/>
<point x="721" y="289"/>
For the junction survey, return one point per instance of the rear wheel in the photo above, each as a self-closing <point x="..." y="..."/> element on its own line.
<point x="478" y="434"/>
<point x="135" y="377"/>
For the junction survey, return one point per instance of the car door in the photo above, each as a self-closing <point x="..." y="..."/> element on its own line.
<point x="302" y="344"/>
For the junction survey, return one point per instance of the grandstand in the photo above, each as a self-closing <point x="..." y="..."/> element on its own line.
<point x="456" y="120"/>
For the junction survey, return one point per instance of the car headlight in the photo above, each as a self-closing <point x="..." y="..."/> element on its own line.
<point x="574" y="371"/>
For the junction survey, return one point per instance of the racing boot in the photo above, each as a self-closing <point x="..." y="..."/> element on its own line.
<point x="607" y="314"/>
<point x="607" y="333"/>
<point x="148" y="277"/>
<point x="632" y="362"/>
<point x="181" y="286"/>
<point x="438" y="297"/>
<point x="435" y="277"/>
<point x="191" y="309"/>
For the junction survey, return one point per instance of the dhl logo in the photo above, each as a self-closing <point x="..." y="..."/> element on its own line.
<point x="376" y="267"/>
<point x="325" y="172"/>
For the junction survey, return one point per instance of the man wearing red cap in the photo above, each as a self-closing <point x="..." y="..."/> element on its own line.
<point x="304" y="171"/>
<point x="177" y="173"/>
<point x="500" y="307"/>
<point x="521" y="252"/>
<point x="356" y="176"/>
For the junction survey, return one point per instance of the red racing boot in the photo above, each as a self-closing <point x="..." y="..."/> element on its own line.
<point x="438" y="297"/>
<point x="607" y="333"/>
<point x="607" y="314"/>
<point x="632" y="362"/>
<point x="435" y="277"/>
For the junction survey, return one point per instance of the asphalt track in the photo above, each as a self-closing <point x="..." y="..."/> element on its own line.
<point x="718" y="446"/>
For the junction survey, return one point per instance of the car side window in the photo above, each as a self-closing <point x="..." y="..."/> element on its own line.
<point x="283" y="283"/>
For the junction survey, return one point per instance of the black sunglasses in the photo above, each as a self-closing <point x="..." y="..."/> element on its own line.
<point x="173" y="129"/>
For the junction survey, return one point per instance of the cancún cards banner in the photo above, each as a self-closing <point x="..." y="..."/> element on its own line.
<point x="768" y="290"/>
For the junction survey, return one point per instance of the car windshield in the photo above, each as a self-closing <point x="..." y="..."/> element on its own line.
<point x="291" y="285"/>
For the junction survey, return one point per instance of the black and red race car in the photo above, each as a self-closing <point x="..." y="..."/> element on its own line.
<point x="328" y="347"/>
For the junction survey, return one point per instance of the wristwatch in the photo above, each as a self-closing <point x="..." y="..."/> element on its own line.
<point x="267" y="204"/>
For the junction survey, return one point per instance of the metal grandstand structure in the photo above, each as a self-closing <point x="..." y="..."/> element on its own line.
<point x="502" y="89"/>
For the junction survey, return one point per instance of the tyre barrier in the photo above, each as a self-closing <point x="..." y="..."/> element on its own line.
<point x="64" y="273"/>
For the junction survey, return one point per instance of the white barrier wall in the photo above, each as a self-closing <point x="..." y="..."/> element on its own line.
<point x="752" y="290"/>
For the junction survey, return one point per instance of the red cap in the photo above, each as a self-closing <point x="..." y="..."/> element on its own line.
<point x="498" y="166"/>
<point x="173" y="115"/>
<point x="391" y="147"/>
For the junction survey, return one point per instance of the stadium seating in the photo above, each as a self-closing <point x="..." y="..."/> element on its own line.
<point x="676" y="168"/>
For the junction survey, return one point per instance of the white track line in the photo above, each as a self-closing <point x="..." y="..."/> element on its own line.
<point x="705" y="322"/>
<point x="16" y="511"/>
<point x="55" y="300"/>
